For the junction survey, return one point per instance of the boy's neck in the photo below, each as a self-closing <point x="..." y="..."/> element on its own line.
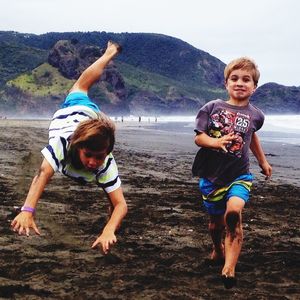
<point x="237" y="102"/>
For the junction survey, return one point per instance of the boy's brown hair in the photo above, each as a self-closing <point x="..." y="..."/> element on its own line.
<point x="243" y="63"/>
<point x="95" y="135"/>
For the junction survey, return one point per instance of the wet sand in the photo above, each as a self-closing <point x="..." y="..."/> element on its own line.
<point x="163" y="242"/>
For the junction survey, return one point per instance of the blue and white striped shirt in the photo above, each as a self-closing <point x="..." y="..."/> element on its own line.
<point x="63" y="124"/>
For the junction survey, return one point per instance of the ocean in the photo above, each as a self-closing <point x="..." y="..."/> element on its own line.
<point x="283" y="129"/>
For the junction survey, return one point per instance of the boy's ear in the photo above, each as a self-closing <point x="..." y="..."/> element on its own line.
<point x="225" y="84"/>
<point x="255" y="87"/>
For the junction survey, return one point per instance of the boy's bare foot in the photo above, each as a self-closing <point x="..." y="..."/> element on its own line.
<point x="228" y="272"/>
<point x="113" y="48"/>
<point x="228" y="277"/>
<point x="217" y="258"/>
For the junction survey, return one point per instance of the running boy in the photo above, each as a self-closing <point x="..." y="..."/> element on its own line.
<point x="81" y="140"/>
<point x="225" y="130"/>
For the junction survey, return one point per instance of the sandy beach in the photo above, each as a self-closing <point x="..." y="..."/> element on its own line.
<point x="163" y="242"/>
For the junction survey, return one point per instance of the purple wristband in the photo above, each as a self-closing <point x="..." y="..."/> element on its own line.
<point x="27" y="208"/>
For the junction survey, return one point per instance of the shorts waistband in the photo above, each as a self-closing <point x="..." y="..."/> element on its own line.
<point x="79" y="98"/>
<point x="212" y="193"/>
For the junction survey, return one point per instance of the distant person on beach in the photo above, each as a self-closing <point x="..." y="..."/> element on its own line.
<point x="81" y="140"/>
<point x="225" y="130"/>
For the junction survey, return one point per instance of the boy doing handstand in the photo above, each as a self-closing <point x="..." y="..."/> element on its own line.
<point x="81" y="140"/>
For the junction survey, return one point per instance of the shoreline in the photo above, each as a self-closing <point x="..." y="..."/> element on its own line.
<point x="159" y="137"/>
<point x="268" y="133"/>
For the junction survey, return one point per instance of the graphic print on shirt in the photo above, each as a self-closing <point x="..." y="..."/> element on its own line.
<point x="224" y="122"/>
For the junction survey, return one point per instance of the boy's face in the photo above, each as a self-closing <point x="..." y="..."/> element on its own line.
<point x="92" y="160"/>
<point x="240" y="85"/>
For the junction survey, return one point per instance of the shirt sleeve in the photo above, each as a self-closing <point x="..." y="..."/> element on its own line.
<point x="202" y="119"/>
<point x="108" y="177"/>
<point x="55" y="152"/>
<point x="260" y="121"/>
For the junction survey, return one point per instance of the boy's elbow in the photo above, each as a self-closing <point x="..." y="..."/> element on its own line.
<point x="197" y="140"/>
<point x="45" y="171"/>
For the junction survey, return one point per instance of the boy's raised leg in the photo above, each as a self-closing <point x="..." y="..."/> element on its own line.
<point x="92" y="73"/>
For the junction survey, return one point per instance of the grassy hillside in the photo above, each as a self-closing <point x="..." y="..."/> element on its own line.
<point x="42" y="81"/>
<point x="155" y="53"/>
<point x="138" y="79"/>
<point x="16" y="59"/>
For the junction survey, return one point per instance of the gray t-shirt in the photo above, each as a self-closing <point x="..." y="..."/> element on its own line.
<point x="218" y="118"/>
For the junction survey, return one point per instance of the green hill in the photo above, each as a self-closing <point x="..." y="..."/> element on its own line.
<point x="42" y="81"/>
<point x="155" y="74"/>
<point x="18" y="58"/>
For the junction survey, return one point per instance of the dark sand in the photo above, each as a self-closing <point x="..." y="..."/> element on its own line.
<point x="163" y="242"/>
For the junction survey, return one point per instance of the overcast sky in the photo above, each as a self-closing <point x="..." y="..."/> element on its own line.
<point x="266" y="30"/>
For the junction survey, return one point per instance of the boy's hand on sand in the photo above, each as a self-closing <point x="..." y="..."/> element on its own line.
<point x="23" y="222"/>
<point x="106" y="240"/>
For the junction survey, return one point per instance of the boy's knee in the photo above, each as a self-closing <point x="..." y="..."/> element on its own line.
<point x="232" y="220"/>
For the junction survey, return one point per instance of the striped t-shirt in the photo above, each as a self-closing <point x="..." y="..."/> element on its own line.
<point x="63" y="124"/>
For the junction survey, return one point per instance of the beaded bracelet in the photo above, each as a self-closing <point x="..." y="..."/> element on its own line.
<point x="27" y="208"/>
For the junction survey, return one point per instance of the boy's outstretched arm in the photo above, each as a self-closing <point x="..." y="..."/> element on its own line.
<point x="203" y="140"/>
<point x="25" y="220"/>
<point x="258" y="152"/>
<point x="107" y="238"/>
